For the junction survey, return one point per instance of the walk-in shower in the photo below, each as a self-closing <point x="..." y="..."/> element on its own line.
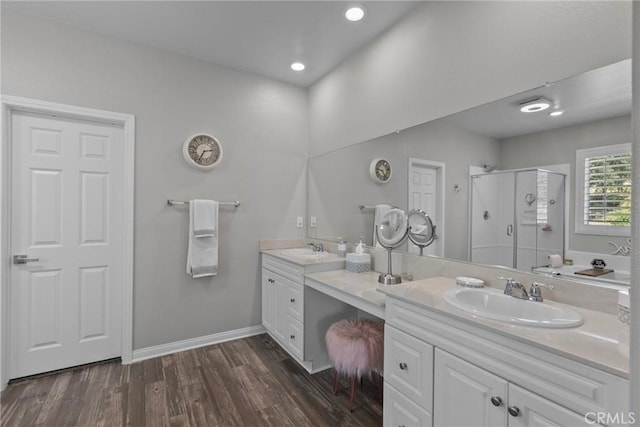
<point x="517" y="218"/>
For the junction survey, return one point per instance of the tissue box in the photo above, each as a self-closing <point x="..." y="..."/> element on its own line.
<point x="358" y="263"/>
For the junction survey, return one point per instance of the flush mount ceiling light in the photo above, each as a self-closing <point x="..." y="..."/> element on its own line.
<point x="354" y="13"/>
<point x="297" y="66"/>
<point x="536" y="104"/>
<point x="556" y="113"/>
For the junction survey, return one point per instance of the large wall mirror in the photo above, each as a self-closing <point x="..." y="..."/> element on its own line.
<point x="433" y="163"/>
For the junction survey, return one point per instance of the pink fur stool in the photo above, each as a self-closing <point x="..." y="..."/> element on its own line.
<point x="356" y="348"/>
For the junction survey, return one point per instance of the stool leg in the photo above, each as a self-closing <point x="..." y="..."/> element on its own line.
<point x="335" y="382"/>
<point x="379" y="385"/>
<point x="353" y="392"/>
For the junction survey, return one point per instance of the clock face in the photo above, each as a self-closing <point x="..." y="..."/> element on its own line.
<point x="202" y="151"/>
<point x="380" y="170"/>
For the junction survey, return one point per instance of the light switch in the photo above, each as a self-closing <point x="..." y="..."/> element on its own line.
<point x="313" y="222"/>
<point x="300" y="222"/>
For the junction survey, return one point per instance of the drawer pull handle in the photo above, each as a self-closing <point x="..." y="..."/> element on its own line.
<point x="514" y="411"/>
<point x="403" y="366"/>
<point x="496" y="401"/>
<point x="293" y="337"/>
<point x="292" y="300"/>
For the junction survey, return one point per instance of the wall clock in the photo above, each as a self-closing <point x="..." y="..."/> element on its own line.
<point x="380" y="170"/>
<point x="202" y="151"/>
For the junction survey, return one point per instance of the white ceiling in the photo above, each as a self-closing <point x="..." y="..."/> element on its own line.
<point x="598" y="94"/>
<point x="262" y="37"/>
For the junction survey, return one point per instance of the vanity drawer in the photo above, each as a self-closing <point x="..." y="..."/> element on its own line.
<point x="283" y="268"/>
<point x="408" y="366"/>
<point x="294" y="336"/>
<point x="294" y="300"/>
<point x="400" y="411"/>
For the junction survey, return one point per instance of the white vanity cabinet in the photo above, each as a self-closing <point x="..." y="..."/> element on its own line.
<point x="283" y="304"/>
<point x="283" y="309"/>
<point x="449" y="372"/>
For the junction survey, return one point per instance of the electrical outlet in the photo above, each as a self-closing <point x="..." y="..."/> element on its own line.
<point x="313" y="222"/>
<point x="300" y="222"/>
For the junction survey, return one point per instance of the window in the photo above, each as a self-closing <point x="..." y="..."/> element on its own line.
<point x="603" y="190"/>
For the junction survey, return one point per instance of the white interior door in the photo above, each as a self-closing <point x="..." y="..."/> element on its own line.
<point x="67" y="219"/>
<point x="424" y="193"/>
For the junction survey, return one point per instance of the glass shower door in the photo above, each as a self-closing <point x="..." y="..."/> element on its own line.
<point x="492" y="219"/>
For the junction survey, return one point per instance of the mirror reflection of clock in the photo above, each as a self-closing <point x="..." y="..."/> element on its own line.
<point x="380" y="170"/>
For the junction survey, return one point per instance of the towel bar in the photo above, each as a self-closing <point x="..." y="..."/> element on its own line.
<point x="172" y="202"/>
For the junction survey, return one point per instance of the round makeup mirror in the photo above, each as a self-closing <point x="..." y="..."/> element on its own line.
<point x="422" y="232"/>
<point x="392" y="232"/>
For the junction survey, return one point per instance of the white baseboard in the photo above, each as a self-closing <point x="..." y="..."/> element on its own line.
<point x="174" y="347"/>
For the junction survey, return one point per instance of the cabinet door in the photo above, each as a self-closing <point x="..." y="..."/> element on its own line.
<point x="294" y="336"/>
<point x="267" y="301"/>
<point x="400" y="411"/>
<point x="408" y="366"/>
<point x="272" y="308"/>
<point x="294" y="300"/>
<point x="527" y="409"/>
<point x="465" y="395"/>
<point x="277" y="308"/>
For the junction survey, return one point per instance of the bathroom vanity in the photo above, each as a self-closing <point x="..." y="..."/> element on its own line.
<point x="446" y="367"/>
<point x="293" y="322"/>
<point x="303" y="293"/>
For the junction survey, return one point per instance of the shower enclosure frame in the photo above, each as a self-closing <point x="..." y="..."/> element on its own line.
<point x="514" y="227"/>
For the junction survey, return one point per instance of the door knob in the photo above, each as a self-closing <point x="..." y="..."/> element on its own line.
<point x="403" y="366"/>
<point x="22" y="259"/>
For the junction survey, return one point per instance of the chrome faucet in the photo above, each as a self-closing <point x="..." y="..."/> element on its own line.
<point x="317" y="247"/>
<point x="508" y="288"/>
<point x="535" y="294"/>
<point x="517" y="289"/>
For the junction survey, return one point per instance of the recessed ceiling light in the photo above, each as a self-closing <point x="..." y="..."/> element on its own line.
<point x="534" y="105"/>
<point x="354" y="13"/>
<point x="556" y="113"/>
<point x="297" y="66"/>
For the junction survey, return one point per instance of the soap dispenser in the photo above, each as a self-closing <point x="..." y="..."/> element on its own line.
<point x="342" y="248"/>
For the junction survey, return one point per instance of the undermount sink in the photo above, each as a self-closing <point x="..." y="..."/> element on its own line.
<point x="306" y="253"/>
<point x="494" y="304"/>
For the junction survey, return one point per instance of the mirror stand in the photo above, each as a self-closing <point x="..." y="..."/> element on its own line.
<point x="389" y="278"/>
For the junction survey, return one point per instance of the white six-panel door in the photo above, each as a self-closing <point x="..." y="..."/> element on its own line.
<point x="424" y="187"/>
<point x="66" y="212"/>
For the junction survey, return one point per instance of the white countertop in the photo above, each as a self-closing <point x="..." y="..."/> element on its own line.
<point x="616" y="277"/>
<point x="599" y="342"/>
<point x="305" y="261"/>
<point x="357" y="289"/>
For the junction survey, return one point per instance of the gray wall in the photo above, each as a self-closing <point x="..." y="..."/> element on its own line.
<point x="339" y="181"/>
<point x="443" y="57"/>
<point x="262" y="125"/>
<point x="448" y="56"/>
<point x="559" y="146"/>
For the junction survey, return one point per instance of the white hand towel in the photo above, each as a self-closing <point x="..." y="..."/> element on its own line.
<point x="380" y="211"/>
<point x="205" y="218"/>
<point x="202" y="252"/>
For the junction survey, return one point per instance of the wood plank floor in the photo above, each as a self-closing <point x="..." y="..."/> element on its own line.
<point x="247" y="382"/>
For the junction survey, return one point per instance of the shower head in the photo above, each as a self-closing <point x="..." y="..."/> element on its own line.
<point x="488" y="168"/>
